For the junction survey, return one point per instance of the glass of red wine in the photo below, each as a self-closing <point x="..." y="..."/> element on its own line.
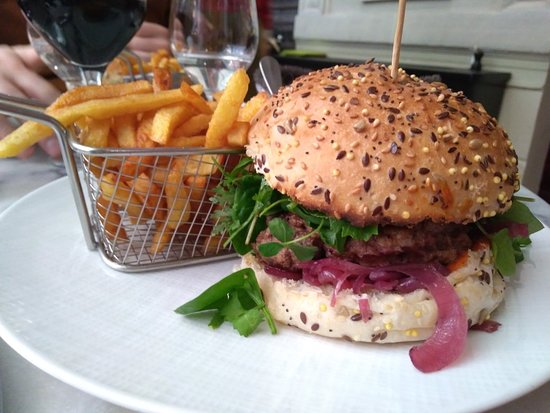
<point x="88" y="33"/>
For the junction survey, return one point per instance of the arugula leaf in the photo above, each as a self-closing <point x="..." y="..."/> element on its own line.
<point x="519" y="212"/>
<point x="237" y="299"/>
<point x="303" y="252"/>
<point x="503" y="251"/>
<point x="270" y="249"/>
<point x="281" y="229"/>
<point x="247" y="200"/>
<point x="507" y="249"/>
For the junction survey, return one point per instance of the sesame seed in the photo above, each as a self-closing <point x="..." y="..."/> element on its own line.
<point x="497" y="180"/>
<point x="464" y="170"/>
<point x="452" y="171"/>
<point x="360" y="125"/>
<point x="375" y="167"/>
<point x="336" y="172"/>
<point x="335" y="145"/>
<point x="425" y="149"/>
<point x="405" y="214"/>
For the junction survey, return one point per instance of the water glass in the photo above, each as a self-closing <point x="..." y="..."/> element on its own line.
<point x="213" y="38"/>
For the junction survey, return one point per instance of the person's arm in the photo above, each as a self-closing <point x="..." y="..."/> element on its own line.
<point x="20" y="77"/>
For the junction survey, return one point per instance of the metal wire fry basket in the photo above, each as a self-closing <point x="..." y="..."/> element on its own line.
<point x="152" y="209"/>
<point x="143" y="209"/>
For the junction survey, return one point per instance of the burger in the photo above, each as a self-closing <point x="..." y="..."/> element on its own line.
<point x="377" y="209"/>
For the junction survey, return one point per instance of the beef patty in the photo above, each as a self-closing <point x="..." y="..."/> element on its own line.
<point x="422" y="243"/>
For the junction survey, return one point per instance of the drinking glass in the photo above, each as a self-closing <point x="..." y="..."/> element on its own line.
<point x="88" y="33"/>
<point x="58" y="64"/>
<point x="213" y="38"/>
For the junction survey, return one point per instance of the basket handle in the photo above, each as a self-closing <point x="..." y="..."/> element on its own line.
<point x="31" y="110"/>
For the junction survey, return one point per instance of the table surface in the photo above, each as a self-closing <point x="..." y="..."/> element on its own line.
<point x="25" y="388"/>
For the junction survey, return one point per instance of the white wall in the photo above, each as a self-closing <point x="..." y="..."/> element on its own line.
<point x="514" y="35"/>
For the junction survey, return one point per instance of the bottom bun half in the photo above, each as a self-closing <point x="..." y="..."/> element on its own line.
<point x="395" y="317"/>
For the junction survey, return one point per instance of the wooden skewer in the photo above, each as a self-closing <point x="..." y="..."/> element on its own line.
<point x="397" y="39"/>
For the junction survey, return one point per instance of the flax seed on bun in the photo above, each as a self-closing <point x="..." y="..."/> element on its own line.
<point x="354" y="143"/>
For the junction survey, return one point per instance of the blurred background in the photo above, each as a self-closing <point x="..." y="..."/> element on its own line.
<point x="496" y="51"/>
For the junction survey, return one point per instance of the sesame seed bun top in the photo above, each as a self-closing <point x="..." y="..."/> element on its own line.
<point x="353" y="143"/>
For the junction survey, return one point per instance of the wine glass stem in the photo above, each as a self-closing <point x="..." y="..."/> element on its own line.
<point x="91" y="76"/>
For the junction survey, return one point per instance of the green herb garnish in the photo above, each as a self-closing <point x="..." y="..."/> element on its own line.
<point x="507" y="249"/>
<point x="237" y="299"/>
<point x="249" y="200"/>
<point x="281" y="230"/>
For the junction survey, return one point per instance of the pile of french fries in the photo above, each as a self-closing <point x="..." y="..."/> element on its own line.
<point x="170" y="194"/>
<point x="127" y="65"/>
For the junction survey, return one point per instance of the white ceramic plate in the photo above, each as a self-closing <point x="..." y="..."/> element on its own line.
<point x="114" y="335"/>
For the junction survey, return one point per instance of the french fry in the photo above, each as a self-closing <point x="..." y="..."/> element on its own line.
<point x="212" y="245"/>
<point x="194" y="165"/>
<point x="198" y="88"/>
<point x="151" y="196"/>
<point x="162" y="79"/>
<point x="227" y="110"/>
<point x="122" y="195"/>
<point x="194" y="98"/>
<point x="144" y="130"/>
<point x="85" y="93"/>
<point x="159" y="176"/>
<point x="238" y="134"/>
<point x="198" y="186"/>
<point x="250" y="108"/>
<point x="134" y="165"/>
<point x="95" y="132"/>
<point x="31" y="132"/>
<point x="125" y="130"/>
<point x="177" y="200"/>
<point x="194" y="126"/>
<point x="110" y="219"/>
<point x="158" y="57"/>
<point x="217" y="95"/>
<point x="187" y="141"/>
<point x="167" y="118"/>
<point x="161" y="238"/>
